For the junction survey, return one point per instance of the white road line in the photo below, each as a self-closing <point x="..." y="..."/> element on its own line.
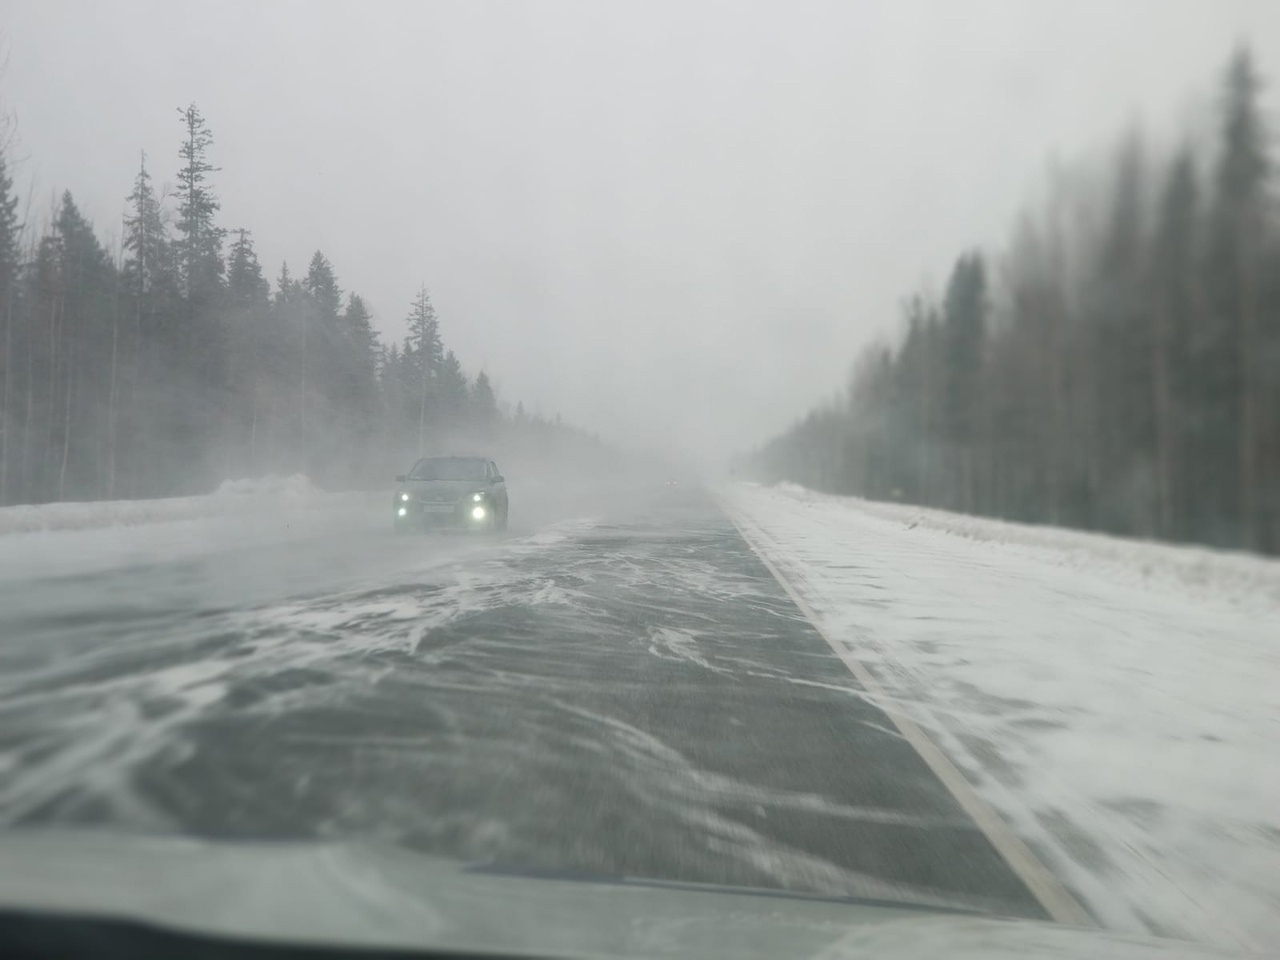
<point x="1044" y="886"/>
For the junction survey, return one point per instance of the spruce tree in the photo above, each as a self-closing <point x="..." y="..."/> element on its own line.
<point x="200" y="238"/>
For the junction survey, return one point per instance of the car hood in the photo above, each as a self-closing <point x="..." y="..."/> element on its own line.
<point x="443" y="489"/>
<point x="387" y="897"/>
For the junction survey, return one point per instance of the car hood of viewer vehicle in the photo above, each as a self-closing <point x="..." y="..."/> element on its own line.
<point x="360" y="895"/>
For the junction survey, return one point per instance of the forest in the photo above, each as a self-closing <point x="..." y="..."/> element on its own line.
<point x="171" y="362"/>
<point x="1115" y="366"/>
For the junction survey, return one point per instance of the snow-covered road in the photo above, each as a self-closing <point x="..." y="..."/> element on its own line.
<point x="1118" y="703"/>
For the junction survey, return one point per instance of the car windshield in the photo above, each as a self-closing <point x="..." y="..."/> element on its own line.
<point x="825" y="448"/>
<point x="448" y="468"/>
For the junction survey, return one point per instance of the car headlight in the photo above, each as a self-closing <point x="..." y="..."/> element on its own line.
<point x="402" y="511"/>
<point x="477" y="513"/>
<point x="404" y="497"/>
<point x="477" y="497"/>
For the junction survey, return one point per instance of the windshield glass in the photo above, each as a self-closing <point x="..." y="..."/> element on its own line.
<point x="448" y="468"/>
<point x="826" y="448"/>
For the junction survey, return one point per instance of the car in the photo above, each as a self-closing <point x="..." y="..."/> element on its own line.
<point x="469" y="493"/>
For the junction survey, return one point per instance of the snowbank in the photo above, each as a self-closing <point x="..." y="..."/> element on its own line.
<point x="1242" y="579"/>
<point x="231" y="497"/>
<point x="298" y="486"/>
<point x="1118" y="703"/>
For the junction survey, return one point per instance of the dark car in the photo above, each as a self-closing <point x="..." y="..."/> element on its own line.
<point x="464" y="492"/>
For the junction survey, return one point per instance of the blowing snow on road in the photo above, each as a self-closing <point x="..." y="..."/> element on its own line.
<point x="628" y="690"/>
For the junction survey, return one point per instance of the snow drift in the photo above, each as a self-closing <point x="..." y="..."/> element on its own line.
<point x="231" y="497"/>
<point x="1242" y="579"/>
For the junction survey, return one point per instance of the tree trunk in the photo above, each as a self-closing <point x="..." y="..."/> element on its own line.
<point x="1059" y="418"/>
<point x="253" y="427"/>
<point x="111" y="401"/>
<point x="138" y="465"/>
<point x="302" y="401"/>
<point x="1162" y="401"/>
<point x="66" y="422"/>
<point x="1248" y="431"/>
<point x="51" y="411"/>
<point x="27" y="417"/>
<point x="928" y="480"/>
<point x="6" y="422"/>
<point x="422" y="409"/>
<point x="141" y="367"/>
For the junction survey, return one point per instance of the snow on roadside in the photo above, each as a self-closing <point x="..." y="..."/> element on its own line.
<point x="1117" y="702"/>
<point x="298" y="486"/>
<point x="1243" y="579"/>
<point x="231" y="497"/>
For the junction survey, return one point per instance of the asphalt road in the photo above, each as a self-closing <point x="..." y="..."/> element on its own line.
<point x="626" y="692"/>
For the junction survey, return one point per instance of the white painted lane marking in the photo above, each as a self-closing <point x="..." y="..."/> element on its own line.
<point x="1044" y="886"/>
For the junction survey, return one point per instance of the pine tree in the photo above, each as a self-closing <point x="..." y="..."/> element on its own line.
<point x="964" y="334"/>
<point x="322" y="299"/>
<point x="286" y="286"/>
<point x="918" y="387"/>
<point x="83" y="287"/>
<point x="248" y="351"/>
<point x="362" y="341"/>
<point x="453" y="391"/>
<point x="391" y="393"/>
<point x="200" y="356"/>
<point x="289" y="320"/>
<point x="424" y="352"/>
<point x="323" y="342"/>
<point x="246" y="287"/>
<point x="1115" y="341"/>
<point x="200" y="237"/>
<point x="152" y="291"/>
<point x="1176" y="298"/>
<point x="145" y="238"/>
<point x="321" y="285"/>
<point x="484" y="402"/>
<point x="360" y="367"/>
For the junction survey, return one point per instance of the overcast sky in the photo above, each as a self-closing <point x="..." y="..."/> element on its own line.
<point x="671" y="222"/>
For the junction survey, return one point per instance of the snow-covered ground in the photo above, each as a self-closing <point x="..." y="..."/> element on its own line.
<point x="232" y="497"/>
<point x="244" y="543"/>
<point x="1117" y="702"/>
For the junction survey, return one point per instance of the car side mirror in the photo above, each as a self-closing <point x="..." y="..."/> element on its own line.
<point x="499" y="479"/>
<point x="400" y="478"/>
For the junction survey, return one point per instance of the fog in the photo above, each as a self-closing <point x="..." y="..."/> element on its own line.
<point x="671" y="223"/>
<point x="873" y="412"/>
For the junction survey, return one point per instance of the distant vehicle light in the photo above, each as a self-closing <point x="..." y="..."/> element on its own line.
<point x="477" y="497"/>
<point x="404" y="496"/>
<point x="477" y="513"/>
<point x="402" y="511"/>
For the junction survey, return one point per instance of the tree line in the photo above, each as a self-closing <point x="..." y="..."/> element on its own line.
<point x="1116" y="368"/>
<point x="171" y="362"/>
